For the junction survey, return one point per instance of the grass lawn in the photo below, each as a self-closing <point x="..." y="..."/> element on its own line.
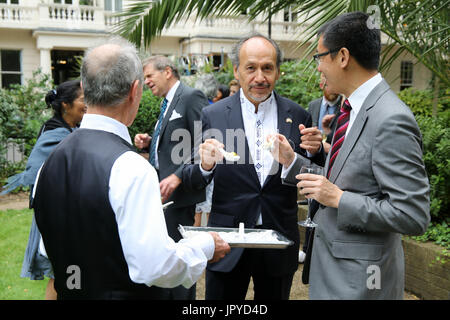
<point x="14" y="231"/>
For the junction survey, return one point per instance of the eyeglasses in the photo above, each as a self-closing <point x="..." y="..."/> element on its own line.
<point x="316" y="57"/>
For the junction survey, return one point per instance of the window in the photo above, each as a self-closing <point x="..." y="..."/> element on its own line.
<point x="113" y="5"/>
<point x="62" y="1"/>
<point x="290" y="15"/>
<point x="10" y="1"/>
<point x="406" y="74"/>
<point x="10" y="68"/>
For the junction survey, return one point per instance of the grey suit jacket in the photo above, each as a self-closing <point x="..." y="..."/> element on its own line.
<point x="357" y="251"/>
<point x="183" y="111"/>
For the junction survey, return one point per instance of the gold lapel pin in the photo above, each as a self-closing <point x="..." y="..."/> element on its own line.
<point x="288" y="120"/>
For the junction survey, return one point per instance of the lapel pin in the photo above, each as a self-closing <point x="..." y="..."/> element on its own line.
<point x="288" y="120"/>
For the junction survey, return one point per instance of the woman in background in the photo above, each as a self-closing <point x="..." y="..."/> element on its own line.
<point x="68" y="105"/>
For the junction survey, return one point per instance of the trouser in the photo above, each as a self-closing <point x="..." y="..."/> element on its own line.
<point x="234" y="285"/>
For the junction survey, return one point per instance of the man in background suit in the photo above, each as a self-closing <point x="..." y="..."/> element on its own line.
<point x="181" y="107"/>
<point x="329" y="104"/>
<point x="376" y="187"/>
<point x="250" y="191"/>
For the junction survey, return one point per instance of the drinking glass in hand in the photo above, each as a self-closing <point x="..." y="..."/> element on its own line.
<point x="312" y="170"/>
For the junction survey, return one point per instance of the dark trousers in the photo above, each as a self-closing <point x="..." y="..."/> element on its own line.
<point x="174" y="217"/>
<point x="234" y="285"/>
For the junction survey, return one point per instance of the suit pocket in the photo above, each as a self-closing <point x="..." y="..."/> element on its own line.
<point x="356" y="250"/>
<point x="220" y="220"/>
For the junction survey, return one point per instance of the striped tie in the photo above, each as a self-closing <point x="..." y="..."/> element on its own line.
<point x="152" y="157"/>
<point x="339" y="134"/>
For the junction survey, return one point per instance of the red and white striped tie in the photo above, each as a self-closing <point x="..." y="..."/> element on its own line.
<point x="339" y="134"/>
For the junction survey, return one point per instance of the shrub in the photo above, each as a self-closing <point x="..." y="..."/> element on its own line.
<point x="299" y="82"/>
<point x="147" y="115"/>
<point x="22" y="112"/>
<point x="436" y="155"/>
<point x="420" y="101"/>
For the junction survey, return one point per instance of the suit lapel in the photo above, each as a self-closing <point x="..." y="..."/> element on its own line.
<point x="315" y="112"/>
<point x="356" y="129"/>
<point x="284" y="117"/>
<point x="172" y="106"/>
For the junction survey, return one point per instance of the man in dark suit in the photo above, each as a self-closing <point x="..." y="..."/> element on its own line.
<point x="250" y="191"/>
<point x="180" y="109"/>
<point x="328" y="105"/>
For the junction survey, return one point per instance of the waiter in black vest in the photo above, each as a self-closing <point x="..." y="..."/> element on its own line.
<point x="105" y="239"/>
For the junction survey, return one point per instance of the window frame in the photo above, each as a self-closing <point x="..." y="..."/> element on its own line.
<point x="406" y="74"/>
<point x="20" y="73"/>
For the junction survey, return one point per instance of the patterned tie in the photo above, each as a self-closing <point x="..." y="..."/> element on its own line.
<point x="156" y="133"/>
<point x="339" y="134"/>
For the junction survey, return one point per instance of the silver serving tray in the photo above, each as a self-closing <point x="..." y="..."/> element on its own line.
<point x="285" y="242"/>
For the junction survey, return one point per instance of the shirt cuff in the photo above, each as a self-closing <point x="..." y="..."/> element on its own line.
<point x="205" y="241"/>
<point x="206" y="173"/>
<point x="284" y="172"/>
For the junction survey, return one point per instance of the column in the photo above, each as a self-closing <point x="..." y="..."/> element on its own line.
<point x="46" y="61"/>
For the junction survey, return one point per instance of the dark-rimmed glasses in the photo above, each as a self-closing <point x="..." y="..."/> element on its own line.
<point x="317" y="56"/>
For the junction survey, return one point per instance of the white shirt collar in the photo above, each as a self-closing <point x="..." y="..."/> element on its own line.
<point x="172" y="91"/>
<point x="358" y="96"/>
<point x="100" y="122"/>
<point x="262" y="107"/>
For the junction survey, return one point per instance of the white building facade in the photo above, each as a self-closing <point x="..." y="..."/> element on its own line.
<point x="49" y="34"/>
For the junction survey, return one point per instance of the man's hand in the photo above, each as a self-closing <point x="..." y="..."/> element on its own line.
<point x="168" y="185"/>
<point x="326" y="147"/>
<point x="210" y="154"/>
<point x="317" y="187"/>
<point x="142" y="140"/>
<point x="282" y="151"/>
<point x="221" y="248"/>
<point x="326" y="120"/>
<point x="311" y="139"/>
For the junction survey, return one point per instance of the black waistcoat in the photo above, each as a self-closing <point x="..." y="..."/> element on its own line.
<point x="77" y="222"/>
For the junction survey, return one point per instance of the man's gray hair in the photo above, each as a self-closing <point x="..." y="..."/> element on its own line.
<point x="160" y="63"/>
<point x="234" y="56"/>
<point x="107" y="79"/>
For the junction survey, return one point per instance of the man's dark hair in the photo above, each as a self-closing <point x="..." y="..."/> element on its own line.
<point x="350" y="30"/>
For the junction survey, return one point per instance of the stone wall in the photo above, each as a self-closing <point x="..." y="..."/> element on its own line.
<point x="426" y="277"/>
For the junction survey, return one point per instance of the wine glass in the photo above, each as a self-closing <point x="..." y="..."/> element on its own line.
<point x="312" y="170"/>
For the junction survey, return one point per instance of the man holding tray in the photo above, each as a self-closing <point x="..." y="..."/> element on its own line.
<point x="98" y="203"/>
<point x="248" y="189"/>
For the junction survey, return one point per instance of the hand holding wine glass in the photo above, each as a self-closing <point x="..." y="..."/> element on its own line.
<point x="311" y="170"/>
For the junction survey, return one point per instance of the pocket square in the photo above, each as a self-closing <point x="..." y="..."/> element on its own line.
<point x="175" y="115"/>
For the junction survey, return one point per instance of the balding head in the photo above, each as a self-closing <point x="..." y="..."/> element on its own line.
<point x="108" y="72"/>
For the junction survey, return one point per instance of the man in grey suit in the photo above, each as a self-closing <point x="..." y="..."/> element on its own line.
<point x="180" y="109"/>
<point x="376" y="187"/>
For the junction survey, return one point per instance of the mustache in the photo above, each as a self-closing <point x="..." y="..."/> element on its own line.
<point x="259" y="85"/>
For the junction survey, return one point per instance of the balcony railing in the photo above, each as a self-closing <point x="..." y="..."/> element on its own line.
<point x="81" y="17"/>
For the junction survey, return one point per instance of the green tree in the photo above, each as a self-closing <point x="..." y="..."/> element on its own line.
<point x="418" y="27"/>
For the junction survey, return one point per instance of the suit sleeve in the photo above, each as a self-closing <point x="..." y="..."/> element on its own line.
<point x="191" y="175"/>
<point x="403" y="204"/>
<point x="194" y="105"/>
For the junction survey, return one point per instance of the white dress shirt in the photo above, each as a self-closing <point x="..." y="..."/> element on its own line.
<point x="169" y="98"/>
<point x="358" y="97"/>
<point x="268" y="116"/>
<point x="153" y="258"/>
